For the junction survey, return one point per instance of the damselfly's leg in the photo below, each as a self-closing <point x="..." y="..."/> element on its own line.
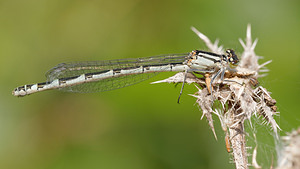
<point x="207" y="82"/>
<point x="222" y="75"/>
<point x="185" y="74"/>
<point x="212" y="80"/>
<point x="218" y="73"/>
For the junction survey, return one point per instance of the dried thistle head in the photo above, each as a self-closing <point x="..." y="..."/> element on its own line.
<point x="240" y="96"/>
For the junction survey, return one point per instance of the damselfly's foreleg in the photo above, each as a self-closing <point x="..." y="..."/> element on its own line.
<point x="209" y="86"/>
<point x="222" y="75"/>
<point x="185" y="74"/>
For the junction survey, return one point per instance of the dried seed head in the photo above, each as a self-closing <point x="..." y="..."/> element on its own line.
<point x="239" y="94"/>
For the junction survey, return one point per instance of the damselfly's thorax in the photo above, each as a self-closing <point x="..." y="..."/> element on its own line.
<point x="203" y="60"/>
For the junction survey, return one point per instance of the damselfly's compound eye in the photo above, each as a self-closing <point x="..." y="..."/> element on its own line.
<point x="233" y="59"/>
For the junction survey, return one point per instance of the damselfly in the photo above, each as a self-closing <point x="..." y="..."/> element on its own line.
<point x="98" y="76"/>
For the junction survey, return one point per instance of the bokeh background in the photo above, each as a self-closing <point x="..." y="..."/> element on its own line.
<point x="141" y="126"/>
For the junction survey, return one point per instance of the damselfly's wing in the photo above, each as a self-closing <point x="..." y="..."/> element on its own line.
<point x="109" y="83"/>
<point x="72" y="69"/>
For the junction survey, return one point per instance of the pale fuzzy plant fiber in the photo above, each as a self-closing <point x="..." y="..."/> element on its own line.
<point x="289" y="153"/>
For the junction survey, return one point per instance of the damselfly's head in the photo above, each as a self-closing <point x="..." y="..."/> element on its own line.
<point x="231" y="56"/>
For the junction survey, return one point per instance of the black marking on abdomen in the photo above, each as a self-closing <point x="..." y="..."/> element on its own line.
<point x="115" y="71"/>
<point x="65" y="79"/>
<point x="96" y="73"/>
<point x="88" y="76"/>
<point x="157" y="65"/>
<point x="68" y="78"/>
<point x="41" y="85"/>
<point x="21" y="88"/>
<point x="29" y="86"/>
<point x="128" y="68"/>
<point x="147" y="67"/>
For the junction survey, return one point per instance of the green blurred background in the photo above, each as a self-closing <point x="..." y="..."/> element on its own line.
<point x="141" y="126"/>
